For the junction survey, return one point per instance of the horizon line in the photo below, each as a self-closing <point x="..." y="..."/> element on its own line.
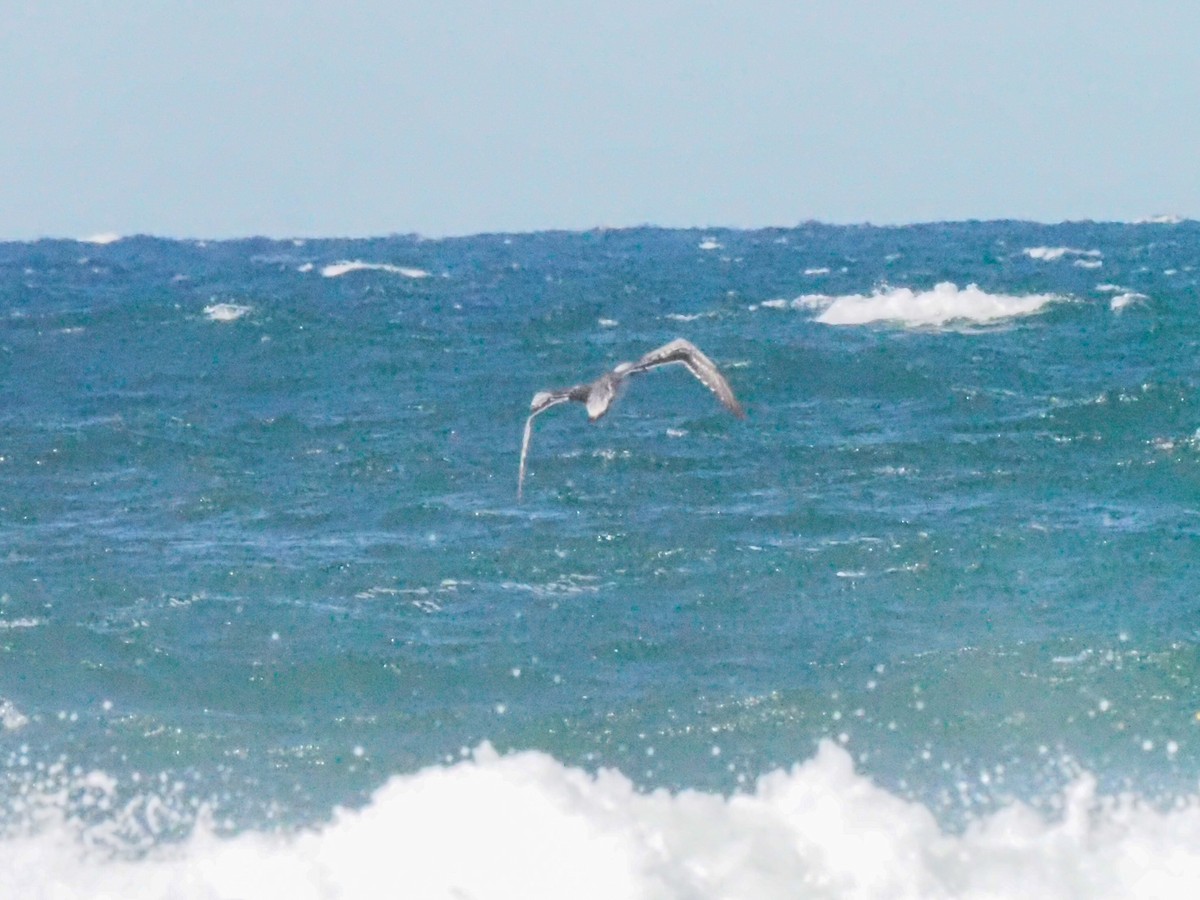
<point x="103" y="238"/>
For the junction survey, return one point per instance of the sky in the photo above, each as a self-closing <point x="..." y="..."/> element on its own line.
<point x="215" y="119"/>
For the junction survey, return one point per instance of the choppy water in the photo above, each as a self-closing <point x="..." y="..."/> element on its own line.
<point x="272" y="622"/>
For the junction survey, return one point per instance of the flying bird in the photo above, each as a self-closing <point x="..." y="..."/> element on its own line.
<point x="598" y="396"/>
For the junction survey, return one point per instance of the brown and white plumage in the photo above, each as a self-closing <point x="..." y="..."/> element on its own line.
<point x="598" y="396"/>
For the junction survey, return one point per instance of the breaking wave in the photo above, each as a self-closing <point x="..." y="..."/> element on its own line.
<point x="944" y="304"/>
<point x="333" y="270"/>
<point x="524" y="825"/>
<point x="1049" y="254"/>
<point x="225" y="312"/>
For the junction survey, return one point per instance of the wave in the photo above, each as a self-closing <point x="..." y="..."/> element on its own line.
<point x="524" y="825"/>
<point x="225" y="312"/>
<point x="944" y="304"/>
<point x="1129" y="298"/>
<point x="1049" y="254"/>
<point x="11" y="718"/>
<point x="346" y="266"/>
<point x="106" y="237"/>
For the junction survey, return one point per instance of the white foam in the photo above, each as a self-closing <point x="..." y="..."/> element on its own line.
<point x="1129" y="298"/>
<point x="1049" y="254"/>
<point x="346" y="266"/>
<point x="225" y="312"/>
<point x="11" y="718"/>
<point x="105" y="237"/>
<point x="709" y="244"/>
<point x="817" y="270"/>
<point x="945" y="303"/>
<point x="525" y="826"/>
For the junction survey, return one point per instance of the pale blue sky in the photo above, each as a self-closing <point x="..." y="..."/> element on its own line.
<point x="221" y="119"/>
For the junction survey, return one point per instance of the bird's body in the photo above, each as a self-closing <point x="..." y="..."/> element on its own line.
<point x="598" y="396"/>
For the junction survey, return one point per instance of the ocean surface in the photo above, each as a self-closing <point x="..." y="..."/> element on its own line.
<point x="273" y="623"/>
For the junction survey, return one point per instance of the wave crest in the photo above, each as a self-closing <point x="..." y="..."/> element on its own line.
<point x="524" y="825"/>
<point x="225" y="312"/>
<point x="944" y="304"/>
<point x="335" y="270"/>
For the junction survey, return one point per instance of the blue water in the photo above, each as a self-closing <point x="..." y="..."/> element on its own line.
<point x="261" y="552"/>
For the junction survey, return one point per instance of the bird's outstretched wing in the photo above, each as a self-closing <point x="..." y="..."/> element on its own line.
<point x="541" y="402"/>
<point x="681" y="351"/>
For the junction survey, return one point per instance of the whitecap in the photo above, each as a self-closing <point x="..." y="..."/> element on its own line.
<point x="709" y="244"/>
<point x="945" y="303"/>
<point x="225" y="312"/>
<point x="1127" y="299"/>
<point x="346" y="266"/>
<point x="1049" y="254"/>
<point x="525" y="825"/>
<point x="817" y="270"/>
<point x="104" y="237"/>
<point x="11" y="718"/>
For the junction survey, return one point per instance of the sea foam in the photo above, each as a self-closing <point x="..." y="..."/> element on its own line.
<point x="524" y="825"/>
<point x="225" y="312"/>
<point x="11" y="718"/>
<point x="1129" y="298"/>
<point x="944" y="304"/>
<point x="346" y="266"/>
<point x="1049" y="254"/>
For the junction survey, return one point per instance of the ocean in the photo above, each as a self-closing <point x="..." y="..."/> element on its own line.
<point x="273" y="623"/>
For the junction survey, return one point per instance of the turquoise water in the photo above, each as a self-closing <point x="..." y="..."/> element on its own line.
<point x="261" y="556"/>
